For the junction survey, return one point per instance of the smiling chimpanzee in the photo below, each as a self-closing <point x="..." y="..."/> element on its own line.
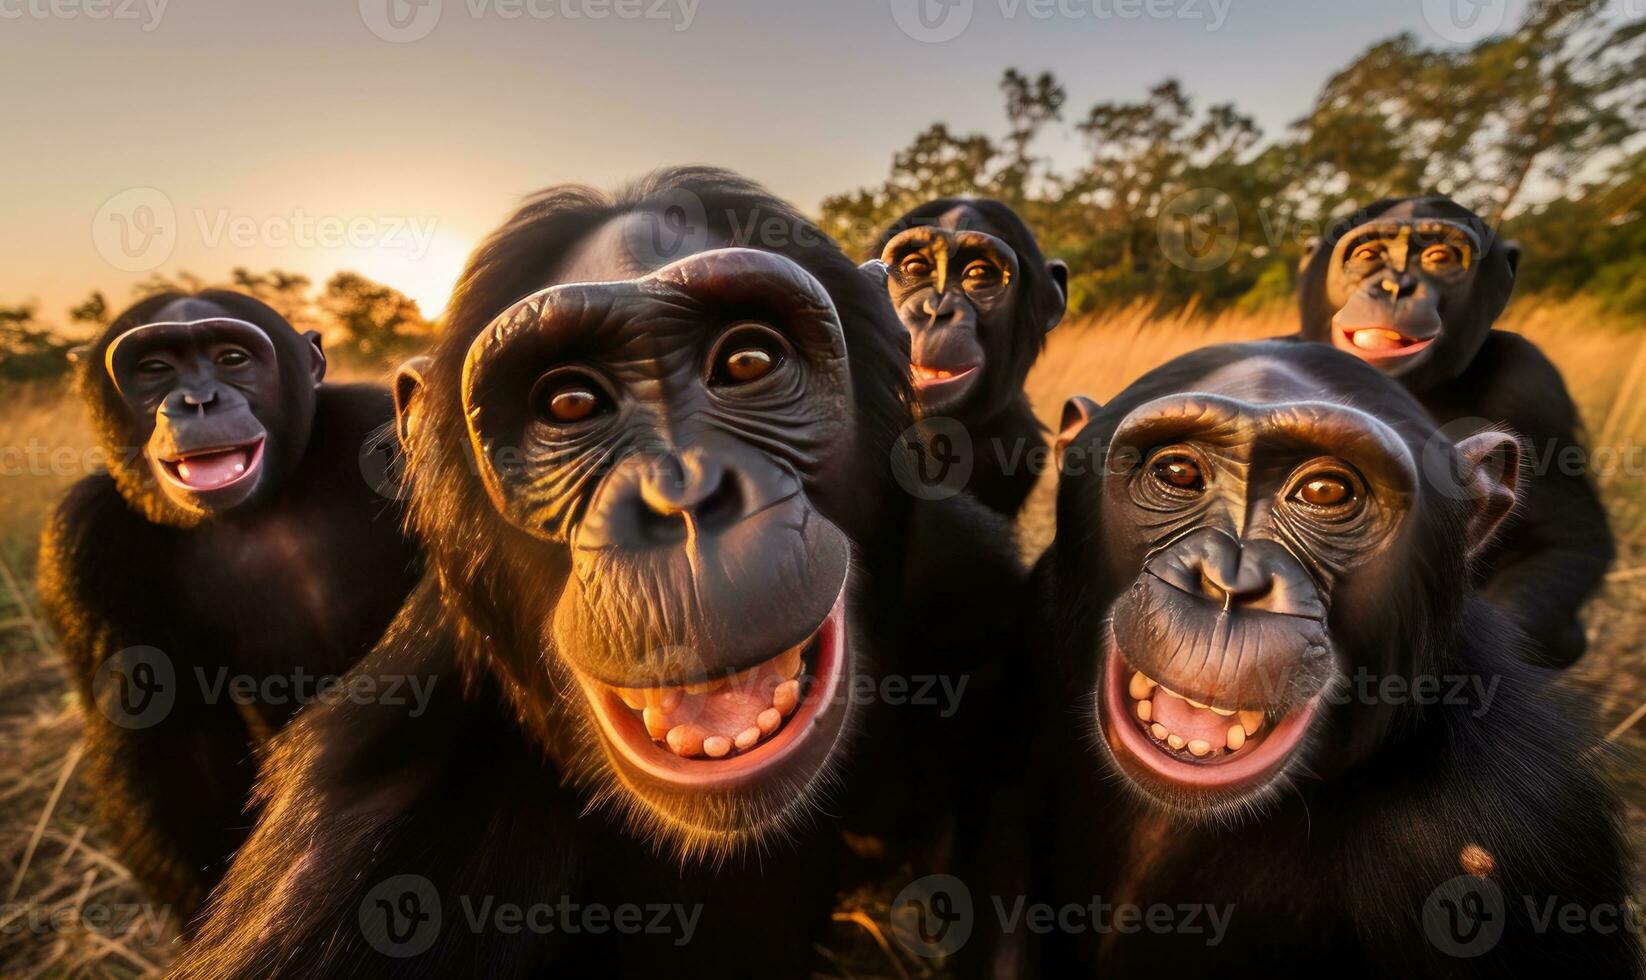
<point x="1332" y="754"/>
<point x="652" y="471"/>
<point x="235" y="538"/>
<point x="977" y="298"/>
<point x="1412" y="286"/>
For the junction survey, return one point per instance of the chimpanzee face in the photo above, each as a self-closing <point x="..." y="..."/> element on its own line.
<point x="955" y="287"/>
<point x="204" y="399"/>
<point x="1255" y="537"/>
<point x="659" y="436"/>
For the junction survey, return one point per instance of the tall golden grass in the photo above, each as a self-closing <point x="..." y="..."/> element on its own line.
<point x="50" y="859"/>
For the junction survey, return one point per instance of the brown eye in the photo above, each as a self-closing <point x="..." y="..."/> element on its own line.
<point x="1371" y="252"/>
<point x="747" y="364"/>
<point x="981" y="274"/>
<point x="153" y="365"/>
<point x="1325" y="490"/>
<point x="1179" y="472"/>
<point x="746" y="354"/>
<point x="566" y="400"/>
<point x="233" y="357"/>
<point x="916" y="267"/>
<point x="1440" y="256"/>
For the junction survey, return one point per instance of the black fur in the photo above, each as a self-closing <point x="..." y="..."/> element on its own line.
<point x="1554" y="553"/>
<point x="1330" y="868"/>
<point x="304" y="582"/>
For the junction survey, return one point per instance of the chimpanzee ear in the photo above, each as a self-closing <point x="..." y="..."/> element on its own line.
<point x="1491" y="478"/>
<point x="408" y="384"/>
<point x="1310" y="247"/>
<point x="1077" y="412"/>
<point x="877" y="272"/>
<point x="317" y="356"/>
<point x="1059" y="271"/>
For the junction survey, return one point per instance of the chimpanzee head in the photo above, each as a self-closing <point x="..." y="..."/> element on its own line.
<point x="976" y="296"/>
<point x="650" y="464"/>
<point x="203" y="403"/>
<point x="1239" y="533"/>
<point x="1410" y="285"/>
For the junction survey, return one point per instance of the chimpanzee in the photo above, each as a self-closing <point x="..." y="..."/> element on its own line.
<point x="1413" y="286"/>
<point x="1284" y="736"/>
<point x="243" y="543"/>
<point x="977" y="298"/>
<point x="650" y="460"/>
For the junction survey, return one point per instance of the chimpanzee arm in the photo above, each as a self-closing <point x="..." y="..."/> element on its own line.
<point x="391" y="819"/>
<point x="169" y="772"/>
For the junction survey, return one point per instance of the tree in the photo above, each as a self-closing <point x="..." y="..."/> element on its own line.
<point x="376" y="319"/>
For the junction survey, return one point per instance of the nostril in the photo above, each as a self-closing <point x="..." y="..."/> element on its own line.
<point x="721" y="508"/>
<point x="1244" y="590"/>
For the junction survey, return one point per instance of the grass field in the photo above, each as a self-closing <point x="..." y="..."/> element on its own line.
<point x="70" y="908"/>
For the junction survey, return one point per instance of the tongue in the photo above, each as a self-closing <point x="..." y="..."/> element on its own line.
<point x="1183" y="718"/>
<point x="211" y="470"/>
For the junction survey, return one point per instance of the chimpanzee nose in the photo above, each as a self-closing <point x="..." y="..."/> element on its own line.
<point x="1400" y="288"/>
<point x="941" y="307"/>
<point x="1239" y="575"/>
<point x="687" y="492"/>
<point x="189" y="401"/>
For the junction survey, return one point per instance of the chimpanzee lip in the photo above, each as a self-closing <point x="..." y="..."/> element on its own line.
<point x="808" y="733"/>
<point x="934" y="377"/>
<point x="251" y="460"/>
<point x="1404" y="344"/>
<point x="1271" y="737"/>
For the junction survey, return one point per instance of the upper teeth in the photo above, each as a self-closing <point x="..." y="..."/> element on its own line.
<point x="687" y="738"/>
<point x="1142" y="689"/>
<point x="925" y="373"/>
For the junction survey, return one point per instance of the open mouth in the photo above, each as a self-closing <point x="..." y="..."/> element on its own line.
<point x="925" y="376"/>
<point x="1186" y="743"/>
<point x="215" y="469"/>
<point x="725" y="730"/>
<point x="1381" y="342"/>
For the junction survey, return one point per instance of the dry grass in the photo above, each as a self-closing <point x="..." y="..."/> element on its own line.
<point x="60" y="883"/>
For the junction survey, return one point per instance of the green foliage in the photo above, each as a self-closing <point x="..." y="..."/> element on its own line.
<point x="29" y="351"/>
<point x="1554" y="106"/>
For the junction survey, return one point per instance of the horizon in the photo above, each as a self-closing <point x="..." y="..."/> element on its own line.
<point x="333" y="166"/>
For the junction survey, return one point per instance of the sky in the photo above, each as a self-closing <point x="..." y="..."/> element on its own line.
<point x="388" y="136"/>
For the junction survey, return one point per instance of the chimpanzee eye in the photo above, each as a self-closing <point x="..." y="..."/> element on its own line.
<point x="1369" y="252"/>
<point x="980" y="274"/>
<point x="1440" y="257"/>
<point x="566" y="398"/>
<point x="916" y="267"/>
<point x="1178" y="471"/>
<point x="153" y="366"/>
<point x="1327" y="490"/>
<point x="747" y="352"/>
<point x="233" y="357"/>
